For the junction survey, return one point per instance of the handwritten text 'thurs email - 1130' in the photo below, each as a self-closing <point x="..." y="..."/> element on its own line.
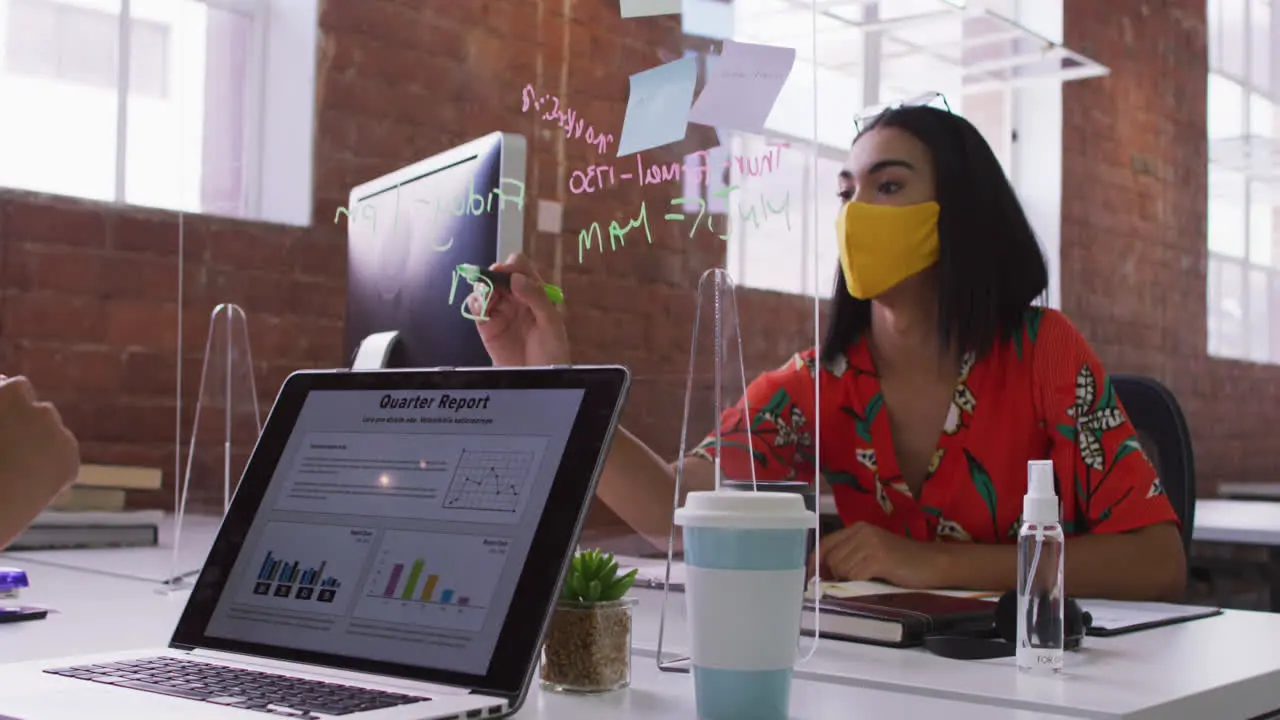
<point x="699" y="163"/>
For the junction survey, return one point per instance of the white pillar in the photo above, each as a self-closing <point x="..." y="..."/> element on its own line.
<point x="1037" y="152"/>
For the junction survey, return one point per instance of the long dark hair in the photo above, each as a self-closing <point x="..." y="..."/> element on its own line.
<point x="990" y="265"/>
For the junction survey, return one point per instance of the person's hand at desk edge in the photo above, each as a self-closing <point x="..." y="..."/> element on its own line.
<point x="39" y="456"/>
<point x="939" y="380"/>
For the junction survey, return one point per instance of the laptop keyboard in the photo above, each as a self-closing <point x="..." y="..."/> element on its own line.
<point x="234" y="687"/>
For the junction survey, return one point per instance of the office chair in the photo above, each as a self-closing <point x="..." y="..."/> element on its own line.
<point x="1162" y="430"/>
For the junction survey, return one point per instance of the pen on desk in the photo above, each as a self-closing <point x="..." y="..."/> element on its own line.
<point x="502" y="280"/>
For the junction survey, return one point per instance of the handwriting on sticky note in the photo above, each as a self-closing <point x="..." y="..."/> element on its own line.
<point x="742" y="85"/>
<point x="566" y="117"/>
<point x="600" y="177"/>
<point x="647" y="8"/>
<point x="658" y="106"/>
<point x="468" y="202"/>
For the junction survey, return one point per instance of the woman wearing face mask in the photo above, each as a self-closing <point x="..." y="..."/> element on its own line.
<point x="939" y="381"/>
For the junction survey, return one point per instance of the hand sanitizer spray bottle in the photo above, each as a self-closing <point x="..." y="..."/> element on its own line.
<point x="1041" y="618"/>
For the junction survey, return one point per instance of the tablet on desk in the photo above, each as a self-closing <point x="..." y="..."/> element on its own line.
<point x="1111" y="617"/>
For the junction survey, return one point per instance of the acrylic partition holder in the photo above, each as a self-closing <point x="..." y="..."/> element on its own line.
<point x="228" y="413"/>
<point x="716" y="380"/>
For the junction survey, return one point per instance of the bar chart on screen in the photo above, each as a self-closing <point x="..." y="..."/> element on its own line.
<point x="307" y="568"/>
<point x="437" y="580"/>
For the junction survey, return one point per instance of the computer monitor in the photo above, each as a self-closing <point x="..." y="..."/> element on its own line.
<point x="407" y="232"/>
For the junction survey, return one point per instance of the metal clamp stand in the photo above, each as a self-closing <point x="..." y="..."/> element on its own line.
<point x="227" y="379"/>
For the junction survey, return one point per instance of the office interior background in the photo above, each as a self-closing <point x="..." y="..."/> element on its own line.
<point x="160" y="157"/>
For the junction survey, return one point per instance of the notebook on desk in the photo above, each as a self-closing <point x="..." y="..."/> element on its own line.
<point x="1112" y="617"/>
<point x="897" y="619"/>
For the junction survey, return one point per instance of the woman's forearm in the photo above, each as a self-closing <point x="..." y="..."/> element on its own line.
<point x="1146" y="564"/>
<point x="639" y="486"/>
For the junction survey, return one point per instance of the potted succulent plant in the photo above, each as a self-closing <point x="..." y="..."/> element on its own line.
<point x="588" y="646"/>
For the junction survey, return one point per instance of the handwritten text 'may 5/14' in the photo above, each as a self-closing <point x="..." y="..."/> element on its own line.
<point x="594" y="236"/>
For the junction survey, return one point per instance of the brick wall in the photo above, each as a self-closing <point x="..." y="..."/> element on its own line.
<point x="91" y="291"/>
<point x="1134" y="246"/>
<point x="90" y="313"/>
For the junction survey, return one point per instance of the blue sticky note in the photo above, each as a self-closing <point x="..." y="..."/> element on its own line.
<point x="658" y="107"/>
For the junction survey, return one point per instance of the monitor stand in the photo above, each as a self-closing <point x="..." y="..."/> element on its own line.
<point x="375" y="351"/>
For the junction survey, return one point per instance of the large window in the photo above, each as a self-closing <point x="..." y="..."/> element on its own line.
<point x="1243" y="288"/>
<point x="842" y="68"/>
<point x="161" y="103"/>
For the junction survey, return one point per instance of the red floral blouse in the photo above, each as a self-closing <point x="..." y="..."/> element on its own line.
<point x="1042" y="396"/>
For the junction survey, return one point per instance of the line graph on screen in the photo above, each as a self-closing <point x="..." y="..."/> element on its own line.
<point x="489" y="480"/>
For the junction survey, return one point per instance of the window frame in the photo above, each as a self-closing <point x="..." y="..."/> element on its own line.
<point x="1247" y="264"/>
<point x="1031" y="114"/>
<point x="256" y="12"/>
<point x="277" y="124"/>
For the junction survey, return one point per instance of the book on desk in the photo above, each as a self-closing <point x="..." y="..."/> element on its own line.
<point x="872" y="625"/>
<point x="92" y="512"/>
<point x="896" y="619"/>
<point x="70" y="529"/>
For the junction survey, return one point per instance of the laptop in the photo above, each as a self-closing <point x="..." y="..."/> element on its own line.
<point x="393" y="552"/>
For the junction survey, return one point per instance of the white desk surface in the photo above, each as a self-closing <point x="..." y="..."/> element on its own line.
<point x="99" y="613"/>
<point x="1247" y="522"/>
<point x="154" y="564"/>
<point x="1225" y="667"/>
<point x="1262" y="491"/>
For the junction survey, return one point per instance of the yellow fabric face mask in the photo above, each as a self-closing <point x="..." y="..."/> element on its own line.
<point x="882" y="245"/>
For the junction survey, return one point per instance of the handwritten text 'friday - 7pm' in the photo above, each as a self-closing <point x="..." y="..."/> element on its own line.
<point x="466" y="203"/>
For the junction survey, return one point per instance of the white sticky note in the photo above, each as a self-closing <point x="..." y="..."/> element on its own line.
<point x="742" y="85"/>
<point x="648" y="8"/>
<point x="658" y="106"/>
<point x="550" y="216"/>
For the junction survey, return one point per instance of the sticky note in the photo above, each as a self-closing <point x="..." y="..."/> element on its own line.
<point x="658" y="107"/>
<point x="742" y="85"/>
<point x="647" y="8"/>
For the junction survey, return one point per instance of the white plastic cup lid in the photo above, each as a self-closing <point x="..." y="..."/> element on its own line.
<point x="740" y="509"/>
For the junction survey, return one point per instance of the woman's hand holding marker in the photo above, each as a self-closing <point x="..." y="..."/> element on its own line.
<point x="524" y="328"/>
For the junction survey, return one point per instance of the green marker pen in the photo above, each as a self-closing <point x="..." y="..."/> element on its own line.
<point x="502" y="281"/>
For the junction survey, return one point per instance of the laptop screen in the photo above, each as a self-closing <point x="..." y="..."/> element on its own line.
<point x="397" y="524"/>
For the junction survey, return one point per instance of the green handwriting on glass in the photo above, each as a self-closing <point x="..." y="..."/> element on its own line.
<point x="747" y="213"/>
<point x="617" y="233"/>
<point x="465" y="203"/>
<point x="482" y="288"/>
